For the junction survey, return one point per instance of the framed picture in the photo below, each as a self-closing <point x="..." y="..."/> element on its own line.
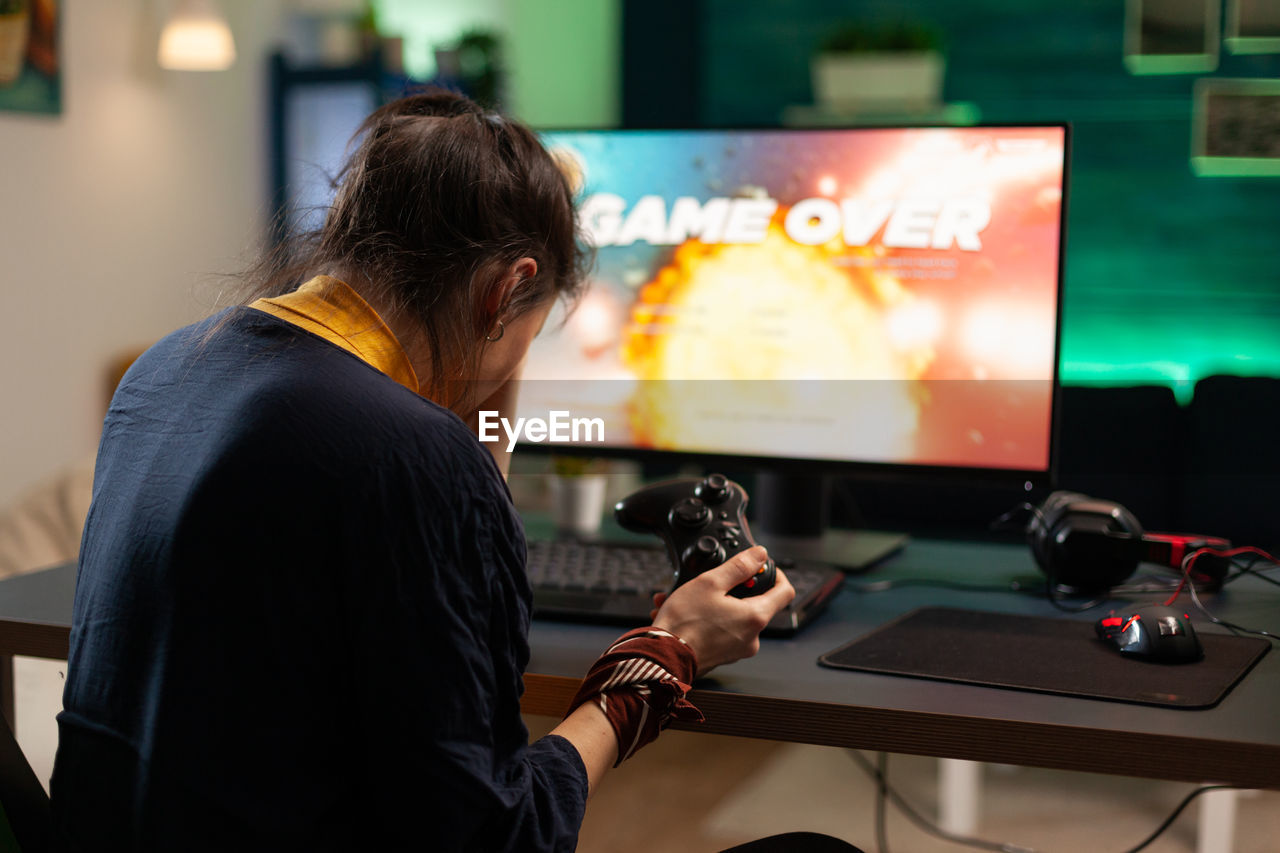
<point x="1171" y="36"/>
<point x="30" y="60"/>
<point x="1253" y="26"/>
<point x="1236" y="128"/>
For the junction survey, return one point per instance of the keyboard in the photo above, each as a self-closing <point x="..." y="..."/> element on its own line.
<point x="614" y="583"/>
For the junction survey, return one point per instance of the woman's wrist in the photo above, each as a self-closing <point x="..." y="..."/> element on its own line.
<point x="640" y="684"/>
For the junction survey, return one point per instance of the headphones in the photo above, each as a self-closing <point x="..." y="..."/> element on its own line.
<point x="1089" y="545"/>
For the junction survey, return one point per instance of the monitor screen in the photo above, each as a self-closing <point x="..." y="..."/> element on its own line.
<point x="868" y="297"/>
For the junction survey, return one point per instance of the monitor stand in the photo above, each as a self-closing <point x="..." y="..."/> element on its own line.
<point x="790" y="515"/>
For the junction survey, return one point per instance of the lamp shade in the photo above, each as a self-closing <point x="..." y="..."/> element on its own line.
<point x="196" y="38"/>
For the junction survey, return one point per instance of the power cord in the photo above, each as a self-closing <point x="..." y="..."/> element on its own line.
<point x="1248" y="551"/>
<point x="1230" y="626"/>
<point x="887" y="584"/>
<point x="1248" y="569"/>
<point x="880" y="775"/>
<point x="882" y="797"/>
<point x="1186" y="801"/>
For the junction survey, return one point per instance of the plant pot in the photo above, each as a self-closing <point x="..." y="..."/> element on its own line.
<point x="577" y="503"/>
<point x="14" y="28"/>
<point x="904" y="81"/>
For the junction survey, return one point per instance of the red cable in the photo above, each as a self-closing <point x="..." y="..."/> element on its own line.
<point x="1194" y="555"/>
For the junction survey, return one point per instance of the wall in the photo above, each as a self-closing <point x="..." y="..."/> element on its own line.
<point x="561" y="56"/>
<point x="117" y="217"/>
<point x="564" y="61"/>
<point x="426" y="26"/>
<point x="1169" y="277"/>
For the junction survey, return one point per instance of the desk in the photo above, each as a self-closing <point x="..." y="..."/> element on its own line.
<point x="35" y="620"/>
<point x="782" y="693"/>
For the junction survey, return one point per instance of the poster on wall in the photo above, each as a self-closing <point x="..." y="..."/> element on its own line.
<point x="1234" y="128"/>
<point x="1171" y="36"/>
<point x="1253" y="26"/>
<point x="30" y="65"/>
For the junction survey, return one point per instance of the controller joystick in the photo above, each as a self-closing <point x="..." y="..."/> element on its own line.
<point x="713" y="489"/>
<point x="703" y="523"/>
<point x="706" y="553"/>
<point x="690" y="513"/>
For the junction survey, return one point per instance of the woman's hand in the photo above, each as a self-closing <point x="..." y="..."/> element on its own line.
<point x="718" y="627"/>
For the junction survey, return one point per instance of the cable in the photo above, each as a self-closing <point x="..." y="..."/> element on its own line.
<point x="1146" y="584"/>
<point x="1248" y="569"/>
<point x="1002" y="522"/>
<point x="1231" y="626"/>
<point x="882" y="796"/>
<point x="1052" y="591"/>
<point x="888" y="584"/>
<point x="1182" y="805"/>
<point x="1189" y="561"/>
<point x="882" y="782"/>
<point x="884" y="792"/>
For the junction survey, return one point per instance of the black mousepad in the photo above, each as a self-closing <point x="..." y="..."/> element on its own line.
<point x="1062" y="656"/>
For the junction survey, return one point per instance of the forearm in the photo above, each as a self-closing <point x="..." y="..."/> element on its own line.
<point x="590" y="733"/>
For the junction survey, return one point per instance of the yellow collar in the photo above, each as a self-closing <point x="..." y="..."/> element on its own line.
<point x="330" y="309"/>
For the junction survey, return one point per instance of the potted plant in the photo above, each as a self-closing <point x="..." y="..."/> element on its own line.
<point x="577" y="487"/>
<point x="14" y="25"/>
<point x="868" y="67"/>
<point x="480" y="66"/>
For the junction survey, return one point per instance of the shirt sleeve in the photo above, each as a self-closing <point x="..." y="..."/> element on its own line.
<point x="450" y="617"/>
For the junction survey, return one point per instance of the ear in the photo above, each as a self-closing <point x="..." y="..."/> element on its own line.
<point x="500" y="294"/>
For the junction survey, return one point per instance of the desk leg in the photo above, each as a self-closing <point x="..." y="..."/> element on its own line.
<point x="1217" y="827"/>
<point x="6" y="689"/>
<point x="959" y="795"/>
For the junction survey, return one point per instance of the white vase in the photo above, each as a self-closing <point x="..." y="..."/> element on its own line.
<point x="577" y="503"/>
<point x="904" y="81"/>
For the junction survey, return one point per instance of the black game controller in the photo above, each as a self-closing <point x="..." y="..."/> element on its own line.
<point x="702" y="521"/>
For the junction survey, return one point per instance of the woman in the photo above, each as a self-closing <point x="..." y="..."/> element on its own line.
<point x="301" y="615"/>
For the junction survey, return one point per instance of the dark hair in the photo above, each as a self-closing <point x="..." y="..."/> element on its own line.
<point x="436" y="202"/>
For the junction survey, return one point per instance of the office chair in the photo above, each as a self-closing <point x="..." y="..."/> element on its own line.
<point x="26" y="805"/>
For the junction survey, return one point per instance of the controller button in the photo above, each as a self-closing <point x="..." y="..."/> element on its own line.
<point x="691" y="512"/>
<point x="706" y="553"/>
<point x="750" y="583"/>
<point x="724" y="514"/>
<point x="713" y="489"/>
<point x="760" y="570"/>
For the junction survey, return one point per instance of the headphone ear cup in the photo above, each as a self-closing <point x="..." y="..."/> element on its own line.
<point x="1086" y="543"/>
<point x="1043" y="525"/>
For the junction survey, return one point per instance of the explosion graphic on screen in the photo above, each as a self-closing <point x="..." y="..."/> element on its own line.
<point x="724" y="336"/>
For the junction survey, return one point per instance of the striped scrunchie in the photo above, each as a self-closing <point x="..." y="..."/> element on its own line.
<point x="640" y="684"/>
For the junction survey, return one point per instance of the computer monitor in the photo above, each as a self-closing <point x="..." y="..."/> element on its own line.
<point x="870" y="300"/>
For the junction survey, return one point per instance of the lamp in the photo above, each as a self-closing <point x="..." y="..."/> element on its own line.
<point x="196" y="38"/>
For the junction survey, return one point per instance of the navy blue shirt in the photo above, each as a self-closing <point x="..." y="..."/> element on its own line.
<point x="301" y="617"/>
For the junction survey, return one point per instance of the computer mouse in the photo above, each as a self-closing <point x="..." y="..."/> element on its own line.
<point x="1154" y="632"/>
